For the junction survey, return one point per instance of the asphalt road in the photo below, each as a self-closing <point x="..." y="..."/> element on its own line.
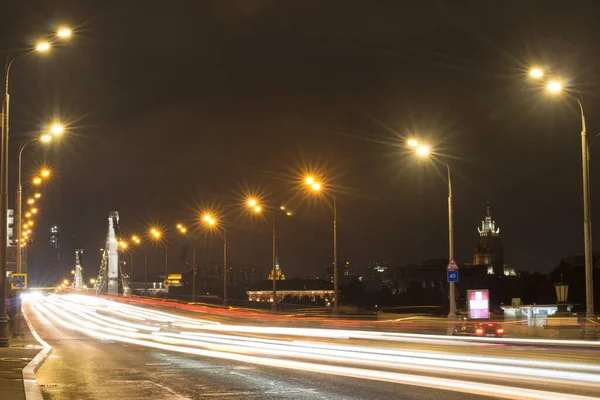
<point x="81" y="367"/>
<point x="110" y="350"/>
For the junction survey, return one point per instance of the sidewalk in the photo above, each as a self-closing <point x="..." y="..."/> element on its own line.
<point x="12" y="361"/>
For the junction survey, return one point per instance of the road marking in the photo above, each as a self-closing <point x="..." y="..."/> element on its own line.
<point x="158" y="364"/>
<point x="176" y="396"/>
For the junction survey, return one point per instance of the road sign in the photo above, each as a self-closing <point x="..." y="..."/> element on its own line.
<point x="452" y="265"/>
<point x="452" y="275"/>
<point x="18" y="281"/>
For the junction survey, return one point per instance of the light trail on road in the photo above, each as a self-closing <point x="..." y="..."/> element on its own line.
<point x="512" y="378"/>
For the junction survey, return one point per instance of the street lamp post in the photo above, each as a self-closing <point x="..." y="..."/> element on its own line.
<point x="424" y="151"/>
<point x="55" y="130"/>
<point x="157" y="236"/>
<point x="555" y="87"/>
<point x="254" y="206"/>
<point x="318" y="187"/>
<point x="212" y="222"/>
<point x="183" y="230"/>
<point x="135" y="240"/>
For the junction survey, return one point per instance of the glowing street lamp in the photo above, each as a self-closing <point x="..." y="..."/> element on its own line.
<point x="45" y="173"/>
<point x="423" y="151"/>
<point x="536" y="73"/>
<point x="92" y="281"/>
<point x="37" y="195"/>
<point x="30" y="201"/>
<point x="64" y="32"/>
<point x="37" y="180"/>
<point x="42" y="46"/>
<point x="57" y="129"/>
<point x="554" y="87"/>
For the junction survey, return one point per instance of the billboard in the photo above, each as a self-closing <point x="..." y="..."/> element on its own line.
<point x="478" y="303"/>
<point x="11" y="222"/>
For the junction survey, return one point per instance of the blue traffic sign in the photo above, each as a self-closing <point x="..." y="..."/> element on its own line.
<point x="453" y="275"/>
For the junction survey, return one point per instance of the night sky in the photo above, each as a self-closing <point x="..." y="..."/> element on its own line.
<point x="177" y="105"/>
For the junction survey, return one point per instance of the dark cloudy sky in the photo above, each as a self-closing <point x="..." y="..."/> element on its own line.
<point x="174" y="105"/>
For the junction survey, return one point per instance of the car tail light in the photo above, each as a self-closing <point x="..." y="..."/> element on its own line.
<point x="499" y="330"/>
<point x="479" y="331"/>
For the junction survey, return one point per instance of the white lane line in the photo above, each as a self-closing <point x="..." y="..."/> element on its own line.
<point x="32" y="390"/>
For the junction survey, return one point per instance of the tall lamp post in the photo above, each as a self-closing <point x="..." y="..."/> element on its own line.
<point x="41" y="47"/>
<point x="423" y="150"/>
<point x="55" y="130"/>
<point x="156" y="235"/>
<point x="183" y="230"/>
<point x="555" y="86"/>
<point x="211" y="222"/>
<point x="257" y="208"/>
<point x="315" y="186"/>
<point x="135" y="241"/>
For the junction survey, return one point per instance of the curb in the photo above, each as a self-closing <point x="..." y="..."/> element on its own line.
<point x="32" y="390"/>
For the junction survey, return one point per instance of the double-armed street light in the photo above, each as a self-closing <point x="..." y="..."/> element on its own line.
<point x="316" y="186"/>
<point x="555" y="86"/>
<point x="54" y="131"/>
<point x="423" y="150"/>
<point x="209" y="220"/>
<point x="40" y="47"/>
<point x="254" y="205"/>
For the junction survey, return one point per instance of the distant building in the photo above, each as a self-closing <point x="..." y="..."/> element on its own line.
<point x="377" y="269"/>
<point x="55" y="244"/>
<point x="347" y="271"/>
<point x="210" y="277"/>
<point x="295" y="291"/>
<point x="489" y="252"/>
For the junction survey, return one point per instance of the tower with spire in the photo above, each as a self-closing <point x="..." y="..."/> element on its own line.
<point x="279" y="275"/>
<point x="489" y="252"/>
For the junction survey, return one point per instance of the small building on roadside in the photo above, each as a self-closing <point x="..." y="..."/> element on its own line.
<point x="294" y="291"/>
<point x="530" y="315"/>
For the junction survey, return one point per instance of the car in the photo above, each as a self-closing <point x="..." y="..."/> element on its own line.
<point x="479" y="329"/>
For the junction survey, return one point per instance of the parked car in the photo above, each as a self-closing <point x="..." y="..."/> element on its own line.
<point x="478" y="329"/>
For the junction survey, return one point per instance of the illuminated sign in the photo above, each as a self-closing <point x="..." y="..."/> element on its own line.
<point x="478" y="303"/>
<point x="18" y="281"/>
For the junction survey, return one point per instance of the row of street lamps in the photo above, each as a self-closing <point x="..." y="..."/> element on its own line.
<point x="211" y="221"/>
<point x="42" y="46"/>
